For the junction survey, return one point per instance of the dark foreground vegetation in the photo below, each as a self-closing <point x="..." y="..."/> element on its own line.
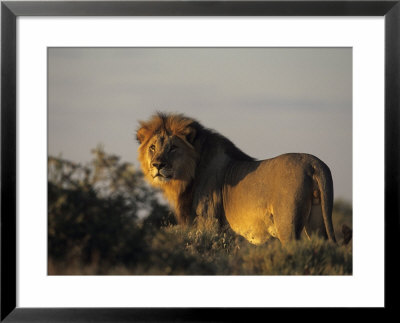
<point x="104" y="220"/>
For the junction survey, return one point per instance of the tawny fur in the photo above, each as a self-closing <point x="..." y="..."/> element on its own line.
<point x="202" y="173"/>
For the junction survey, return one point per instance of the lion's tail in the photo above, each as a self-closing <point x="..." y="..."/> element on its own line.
<point x="325" y="184"/>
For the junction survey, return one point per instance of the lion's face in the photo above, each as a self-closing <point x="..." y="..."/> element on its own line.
<point x="166" y="155"/>
<point x="167" y="158"/>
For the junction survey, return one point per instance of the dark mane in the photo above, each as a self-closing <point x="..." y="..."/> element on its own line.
<point x="214" y="142"/>
<point x="205" y="139"/>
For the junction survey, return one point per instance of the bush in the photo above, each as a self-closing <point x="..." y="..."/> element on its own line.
<point x="93" y="212"/>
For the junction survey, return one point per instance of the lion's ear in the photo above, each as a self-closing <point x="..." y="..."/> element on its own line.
<point x="190" y="134"/>
<point x="141" y="134"/>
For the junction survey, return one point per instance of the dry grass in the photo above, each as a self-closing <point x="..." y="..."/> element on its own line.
<point x="204" y="250"/>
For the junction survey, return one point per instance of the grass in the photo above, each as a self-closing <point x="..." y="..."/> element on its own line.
<point x="203" y="249"/>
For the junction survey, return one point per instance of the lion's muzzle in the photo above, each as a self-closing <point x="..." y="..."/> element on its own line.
<point x="161" y="172"/>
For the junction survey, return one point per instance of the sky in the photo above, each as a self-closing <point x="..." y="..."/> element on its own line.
<point x="268" y="101"/>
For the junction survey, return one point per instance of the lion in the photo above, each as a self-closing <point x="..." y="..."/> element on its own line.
<point x="202" y="173"/>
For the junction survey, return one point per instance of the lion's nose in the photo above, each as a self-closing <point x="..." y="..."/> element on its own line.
<point x="158" y="165"/>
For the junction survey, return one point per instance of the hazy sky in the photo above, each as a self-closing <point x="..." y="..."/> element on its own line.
<point x="268" y="101"/>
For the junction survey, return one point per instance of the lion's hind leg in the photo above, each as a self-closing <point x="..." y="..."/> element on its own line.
<point x="290" y="222"/>
<point x="315" y="222"/>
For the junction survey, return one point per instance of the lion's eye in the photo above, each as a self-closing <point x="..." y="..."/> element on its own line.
<point x="152" y="148"/>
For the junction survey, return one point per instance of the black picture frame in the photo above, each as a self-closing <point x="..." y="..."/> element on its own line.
<point x="10" y="10"/>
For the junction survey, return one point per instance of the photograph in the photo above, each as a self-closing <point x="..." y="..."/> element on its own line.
<point x="199" y="160"/>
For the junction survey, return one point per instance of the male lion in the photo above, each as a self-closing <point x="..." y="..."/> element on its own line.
<point x="202" y="173"/>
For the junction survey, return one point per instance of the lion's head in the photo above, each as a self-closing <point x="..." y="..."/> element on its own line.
<point x="166" y="152"/>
